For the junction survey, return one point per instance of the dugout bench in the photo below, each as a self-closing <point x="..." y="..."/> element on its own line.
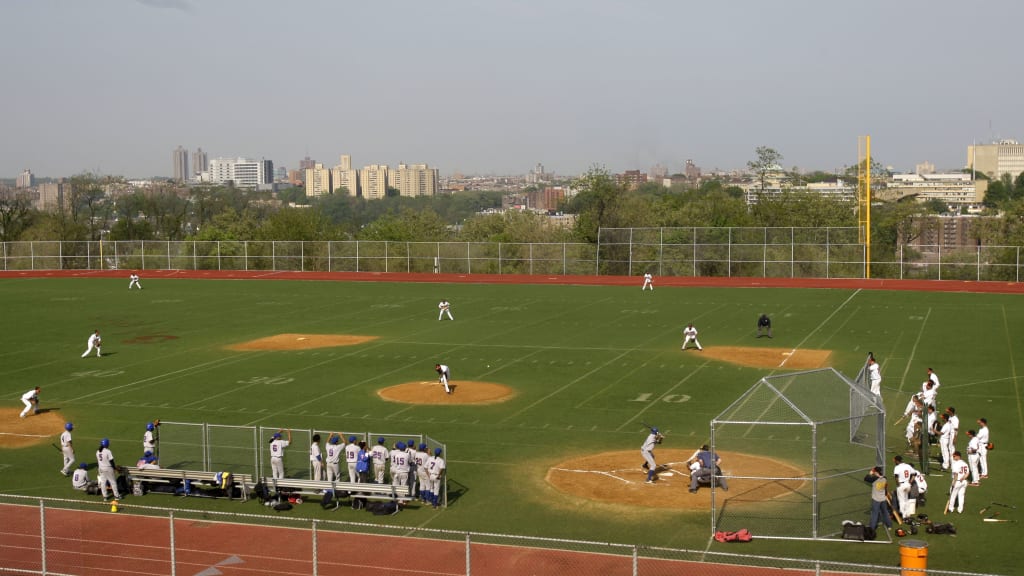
<point x="243" y="482"/>
<point x="365" y="490"/>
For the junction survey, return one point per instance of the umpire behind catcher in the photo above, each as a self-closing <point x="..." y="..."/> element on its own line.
<point x="764" y="325"/>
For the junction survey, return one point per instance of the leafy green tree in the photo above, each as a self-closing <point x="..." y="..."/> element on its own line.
<point x="768" y="160"/>
<point x="307" y="224"/>
<point x="230" y="225"/>
<point x="407" y="226"/>
<point x="513" y="226"/>
<point x="16" y="213"/>
<point x="595" y="203"/>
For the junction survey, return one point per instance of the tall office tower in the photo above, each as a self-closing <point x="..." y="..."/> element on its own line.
<point x="25" y="180"/>
<point x="200" y="162"/>
<point x="318" y="180"/>
<point x="306" y="163"/>
<point x="180" y="157"/>
<point x="373" y="181"/>
<point x="415" y="180"/>
<point x="241" y="172"/>
<point x="343" y="176"/>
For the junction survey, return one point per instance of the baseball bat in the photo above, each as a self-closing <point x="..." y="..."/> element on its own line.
<point x="997" y="520"/>
<point x="1005" y="505"/>
<point x="55" y="447"/>
<point x="983" y="510"/>
<point x="892" y="508"/>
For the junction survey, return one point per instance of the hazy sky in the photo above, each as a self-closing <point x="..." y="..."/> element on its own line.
<point x="496" y="86"/>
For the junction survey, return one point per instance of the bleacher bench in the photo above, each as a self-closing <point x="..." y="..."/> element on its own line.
<point x="244" y="482"/>
<point x="354" y="489"/>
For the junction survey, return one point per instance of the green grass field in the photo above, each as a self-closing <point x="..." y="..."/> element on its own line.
<point x="589" y="364"/>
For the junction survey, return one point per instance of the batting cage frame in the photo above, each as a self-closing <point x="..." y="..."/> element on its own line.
<point x="808" y="439"/>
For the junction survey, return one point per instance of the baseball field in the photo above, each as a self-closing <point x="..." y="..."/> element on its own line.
<point x="553" y="385"/>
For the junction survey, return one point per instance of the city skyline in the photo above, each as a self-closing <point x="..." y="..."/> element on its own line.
<point x="497" y="88"/>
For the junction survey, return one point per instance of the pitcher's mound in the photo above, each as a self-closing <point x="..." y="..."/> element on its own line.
<point x="463" y="392"/>
<point x="300" y="342"/>
<point x="785" y="358"/>
<point x="18" y="432"/>
<point x="618" y="478"/>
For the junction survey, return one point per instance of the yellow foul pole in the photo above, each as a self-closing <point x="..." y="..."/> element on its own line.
<point x="864" y="198"/>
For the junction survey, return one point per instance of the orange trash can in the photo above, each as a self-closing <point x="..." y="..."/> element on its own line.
<point x="913" y="554"/>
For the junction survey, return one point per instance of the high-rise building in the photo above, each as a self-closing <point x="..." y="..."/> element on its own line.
<point x="318" y="180"/>
<point x="200" y="162"/>
<point x="306" y="163"/>
<point x="344" y="176"/>
<point x="241" y="172"/>
<point x="373" y="181"/>
<point x="180" y="157"/>
<point x="994" y="160"/>
<point x="25" y="180"/>
<point x="415" y="180"/>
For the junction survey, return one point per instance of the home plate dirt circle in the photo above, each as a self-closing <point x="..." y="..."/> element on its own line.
<point x="432" y="392"/>
<point x="617" y="478"/>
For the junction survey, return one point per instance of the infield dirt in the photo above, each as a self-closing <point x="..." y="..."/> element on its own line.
<point x="286" y="342"/>
<point x="18" y="432"/>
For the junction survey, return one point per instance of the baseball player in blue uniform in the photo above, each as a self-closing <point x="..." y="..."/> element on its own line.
<point x="399" y="465"/>
<point x="67" y="449"/>
<point x="352" y="458"/>
<point x="107" y="470"/>
<point x="334" y="451"/>
<point x="379" y="454"/>
<point x="647" y="451"/>
<point x="435" y="472"/>
<point x="277" y="446"/>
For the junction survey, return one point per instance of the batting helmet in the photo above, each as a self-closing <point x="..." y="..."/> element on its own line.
<point x="104" y="443"/>
<point x="351" y="438"/>
<point x="437" y="451"/>
<point x="400" y="446"/>
<point x="277" y="435"/>
<point x="334" y="439"/>
<point x="654" y="430"/>
<point x="150" y="426"/>
<point x="380" y="440"/>
<point x="411" y="443"/>
<point x="83" y="465"/>
<point x="901" y="532"/>
<point x="69" y="426"/>
<point x="423" y="446"/>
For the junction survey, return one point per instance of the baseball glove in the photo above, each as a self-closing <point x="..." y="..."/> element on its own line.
<point x="990" y="446"/>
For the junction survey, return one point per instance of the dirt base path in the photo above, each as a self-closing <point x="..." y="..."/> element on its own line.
<point x="776" y="358"/>
<point x="18" y="432"/>
<point x="300" y="342"/>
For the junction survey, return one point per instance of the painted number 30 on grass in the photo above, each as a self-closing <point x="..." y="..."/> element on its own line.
<point x="673" y="398"/>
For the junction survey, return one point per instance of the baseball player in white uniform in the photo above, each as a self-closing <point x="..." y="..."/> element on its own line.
<point x="972" y="457"/>
<point x="93" y="343"/>
<point x="934" y="378"/>
<point x="875" y="377"/>
<point x="690" y="335"/>
<point x="31" y="401"/>
<point x="904" y="474"/>
<point x="133" y="280"/>
<point x="443" y="374"/>
<point x="928" y="393"/>
<point x="316" y="458"/>
<point x="983" y="441"/>
<point x="955" y="421"/>
<point x="277" y="446"/>
<point x="149" y="438"/>
<point x="647" y="451"/>
<point x="334" y="451"/>
<point x="945" y="441"/>
<point x="399" y="465"/>
<point x="107" y="470"/>
<point x="352" y="458"/>
<point x="958" y="489"/>
<point x="420" y="457"/>
<point x="435" y="471"/>
<point x="379" y="454"/>
<point x="67" y="449"/>
<point x="444" y="308"/>
<point x="648" y="282"/>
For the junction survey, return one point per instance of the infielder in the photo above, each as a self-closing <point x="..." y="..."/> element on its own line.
<point x="648" y="282"/>
<point x="690" y="335"/>
<point x="983" y="443"/>
<point x="436" y="467"/>
<point x="352" y="458"/>
<point x="334" y="451"/>
<point x="443" y="375"/>
<point x="875" y="376"/>
<point x="107" y="470"/>
<point x="972" y="457"/>
<point x="31" y="401"/>
<point x="277" y="446"/>
<point x="958" y="489"/>
<point x="904" y="474"/>
<point x="444" y="308"/>
<point x="66" y="448"/>
<point x="315" y="457"/>
<point x="422" y="474"/>
<point x="399" y="465"/>
<point x="647" y="451"/>
<point x="133" y="280"/>
<point x="94" y="342"/>
<point x="379" y="454"/>
<point x="149" y="438"/>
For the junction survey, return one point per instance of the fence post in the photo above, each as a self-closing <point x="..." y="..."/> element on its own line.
<point x="143" y="254"/>
<point x="531" y="257"/>
<point x="315" y="562"/>
<point x="469" y="564"/>
<point x="630" y="252"/>
<point x="979" y="264"/>
<point x="499" y="257"/>
<point x="940" y="261"/>
<point x="174" y="562"/>
<point x="636" y="560"/>
<point x="42" y="536"/>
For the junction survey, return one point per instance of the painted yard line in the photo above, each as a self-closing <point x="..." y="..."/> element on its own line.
<point x="913" y="350"/>
<point x="226" y="361"/>
<point x="667" y="392"/>
<point x="1013" y="371"/>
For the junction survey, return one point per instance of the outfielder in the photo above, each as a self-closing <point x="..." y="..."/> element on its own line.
<point x="379" y="454"/>
<point x="94" y="342"/>
<point x="107" y="470"/>
<point x="958" y="489"/>
<point x="647" y="451"/>
<point x="66" y="448"/>
<point x="690" y="335"/>
<point x="352" y="458"/>
<point x="133" y="280"/>
<point x="31" y="401"/>
<point x="277" y="446"/>
<point x="334" y="451"/>
<point x="983" y="443"/>
<point x="648" y="282"/>
<point x="399" y="465"/>
<point x="443" y="375"/>
<point x="315" y="457"/>
<point x="444" y="308"/>
<point x="436" y="467"/>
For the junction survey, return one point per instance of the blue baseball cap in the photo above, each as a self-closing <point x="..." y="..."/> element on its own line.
<point x="400" y="446"/>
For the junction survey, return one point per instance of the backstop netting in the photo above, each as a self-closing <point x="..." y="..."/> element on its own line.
<point x="795" y="449"/>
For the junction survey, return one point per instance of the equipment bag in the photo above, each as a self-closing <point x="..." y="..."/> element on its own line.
<point x="853" y="531"/>
<point x="741" y="535"/>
